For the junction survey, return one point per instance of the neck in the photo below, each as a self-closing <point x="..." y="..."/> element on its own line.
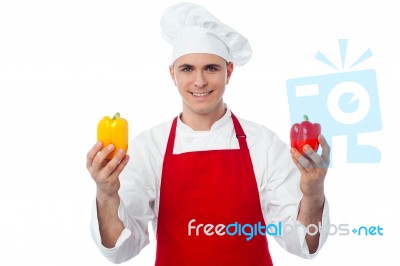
<point x="202" y="122"/>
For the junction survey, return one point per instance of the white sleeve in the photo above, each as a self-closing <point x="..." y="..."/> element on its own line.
<point x="136" y="210"/>
<point x="281" y="198"/>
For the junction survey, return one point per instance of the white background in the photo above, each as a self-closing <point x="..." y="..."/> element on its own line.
<point x="65" y="64"/>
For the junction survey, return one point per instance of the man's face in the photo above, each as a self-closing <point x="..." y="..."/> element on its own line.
<point x="201" y="81"/>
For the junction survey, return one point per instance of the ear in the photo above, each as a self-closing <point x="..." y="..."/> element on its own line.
<point x="172" y="73"/>
<point x="229" y="70"/>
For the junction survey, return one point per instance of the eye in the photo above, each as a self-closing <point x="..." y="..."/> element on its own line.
<point x="211" y="69"/>
<point x="186" y="69"/>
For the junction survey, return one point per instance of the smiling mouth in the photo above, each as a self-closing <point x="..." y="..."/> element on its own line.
<point x="201" y="94"/>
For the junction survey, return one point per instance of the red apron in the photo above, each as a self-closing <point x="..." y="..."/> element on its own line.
<point x="216" y="188"/>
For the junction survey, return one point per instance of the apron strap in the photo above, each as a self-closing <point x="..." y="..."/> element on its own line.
<point x="171" y="138"/>
<point x="239" y="133"/>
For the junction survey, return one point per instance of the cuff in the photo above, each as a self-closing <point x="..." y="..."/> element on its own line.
<point x="126" y="233"/>
<point x="322" y="227"/>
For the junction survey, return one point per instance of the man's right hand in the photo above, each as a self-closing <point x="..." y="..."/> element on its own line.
<point x="106" y="175"/>
<point x="106" y="172"/>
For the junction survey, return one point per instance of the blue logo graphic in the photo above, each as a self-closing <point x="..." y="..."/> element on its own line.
<point x="368" y="231"/>
<point x="345" y="103"/>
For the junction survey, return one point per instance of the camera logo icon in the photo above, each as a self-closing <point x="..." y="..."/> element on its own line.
<point x="345" y="103"/>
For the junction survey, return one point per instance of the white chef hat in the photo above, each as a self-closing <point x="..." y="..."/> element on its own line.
<point x="192" y="29"/>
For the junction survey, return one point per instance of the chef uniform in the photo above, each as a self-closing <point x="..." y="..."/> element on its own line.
<point x="238" y="172"/>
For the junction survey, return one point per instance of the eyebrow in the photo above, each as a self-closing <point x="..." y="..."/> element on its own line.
<point x="185" y="66"/>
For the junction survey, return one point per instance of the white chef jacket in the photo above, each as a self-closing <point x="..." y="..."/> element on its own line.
<point x="277" y="180"/>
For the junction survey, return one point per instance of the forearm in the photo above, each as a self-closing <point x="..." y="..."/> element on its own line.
<point x="310" y="213"/>
<point x="110" y="226"/>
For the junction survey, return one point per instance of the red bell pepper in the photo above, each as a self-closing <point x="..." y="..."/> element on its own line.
<point x="305" y="133"/>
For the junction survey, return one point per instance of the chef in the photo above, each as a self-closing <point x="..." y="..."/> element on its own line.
<point x="210" y="183"/>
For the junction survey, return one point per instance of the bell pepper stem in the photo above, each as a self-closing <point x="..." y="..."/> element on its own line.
<point x="305" y="117"/>
<point x="116" y="116"/>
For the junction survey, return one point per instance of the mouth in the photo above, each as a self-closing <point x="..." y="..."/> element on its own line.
<point x="201" y="94"/>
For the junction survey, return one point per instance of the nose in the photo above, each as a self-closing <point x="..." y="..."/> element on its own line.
<point x="200" y="80"/>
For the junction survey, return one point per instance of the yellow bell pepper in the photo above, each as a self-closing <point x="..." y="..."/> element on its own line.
<point x="113" y="131"/>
